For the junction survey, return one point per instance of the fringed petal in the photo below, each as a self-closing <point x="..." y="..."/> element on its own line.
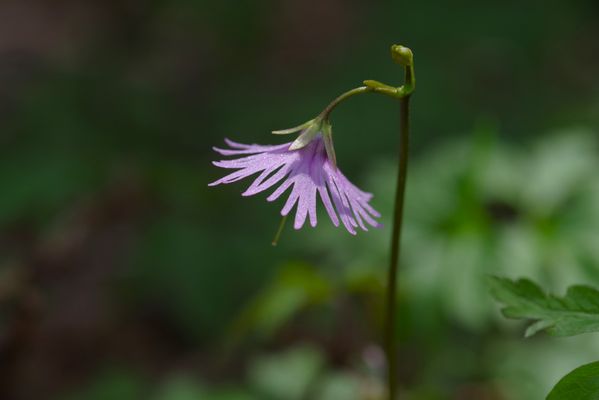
<point x="309" y="173"/>
<point x="264" y="181"/>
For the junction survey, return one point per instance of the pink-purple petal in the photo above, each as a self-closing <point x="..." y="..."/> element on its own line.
<point x="229" y="152"/>
<point x="309" y="174"/>
<point x="280" y="190"/>
<point x="291" y="200"/>
<point x="236" y="176"/>
<point x="312" y="208"/>
<point x="326" y="200"/>
<point x="371" y="221"/>
<point x="262" y="182"/>
<point x="257" y="148"/>
<point x="306" y="201"/>
<point x="369" y="208"/>
<point x="237" y="145"/>
<point x="342" y="210"/>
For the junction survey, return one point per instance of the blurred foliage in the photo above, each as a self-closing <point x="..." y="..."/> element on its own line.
<point x="123" y="276"/>
<point x="295" y="287"/>
<point x="573" y="314"/>
<point x="286" y="376"/>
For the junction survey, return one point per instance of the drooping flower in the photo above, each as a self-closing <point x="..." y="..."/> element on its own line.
<point x="308" y="167"/>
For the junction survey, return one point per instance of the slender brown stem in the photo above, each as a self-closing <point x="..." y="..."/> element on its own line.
<point x="391" y="346"/>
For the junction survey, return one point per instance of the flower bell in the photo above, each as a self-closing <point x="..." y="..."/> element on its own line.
<point x="307" y="166"/>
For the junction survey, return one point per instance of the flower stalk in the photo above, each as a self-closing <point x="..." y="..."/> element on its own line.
<point x="391" y="300"/>
<point x="275" y="240"/>
<point x="404" y="57"/>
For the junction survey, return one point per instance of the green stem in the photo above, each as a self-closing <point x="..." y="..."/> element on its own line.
<point x="359" y="90"/>
<point x="391" y="347"/>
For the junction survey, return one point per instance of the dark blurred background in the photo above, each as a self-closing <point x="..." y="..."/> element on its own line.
<point x="123" y="276"/>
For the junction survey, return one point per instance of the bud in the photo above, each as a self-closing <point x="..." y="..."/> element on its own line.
<point x="402" y="55"/>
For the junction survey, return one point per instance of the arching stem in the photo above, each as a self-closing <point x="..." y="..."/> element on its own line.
<point x="340" y="99"/>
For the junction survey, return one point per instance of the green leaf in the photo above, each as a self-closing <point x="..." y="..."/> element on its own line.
<point x="580" y="384"/>
<point x="575" y="313"/>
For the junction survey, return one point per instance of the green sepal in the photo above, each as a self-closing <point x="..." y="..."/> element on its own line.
<point x="307" y="135"/>
<point x="376" y="84"/>
<point x="294" y="129"/>
<point x="327" y="136"/>
<point x="381" y="87"/>
<point x="309" y="130"/>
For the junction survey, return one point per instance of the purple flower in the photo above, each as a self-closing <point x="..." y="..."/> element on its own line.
<point x="308" y="171"/>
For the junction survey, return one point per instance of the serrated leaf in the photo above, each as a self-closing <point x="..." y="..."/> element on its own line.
<point x="580" y="384"/>
<point x="575" y="313"/>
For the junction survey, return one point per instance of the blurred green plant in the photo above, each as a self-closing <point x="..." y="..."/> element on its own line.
<point x="187" y="388"/>
<point x="288" y="375"/>
<point x="575" y="313"/>
<point x="114" y="383"/>
<point x="145" y="89"/>
<point x="477" y="206"/>
<point x="295" y="287"/>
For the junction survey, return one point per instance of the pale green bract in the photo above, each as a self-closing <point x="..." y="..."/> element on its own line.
<point x="575" y="313"/>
